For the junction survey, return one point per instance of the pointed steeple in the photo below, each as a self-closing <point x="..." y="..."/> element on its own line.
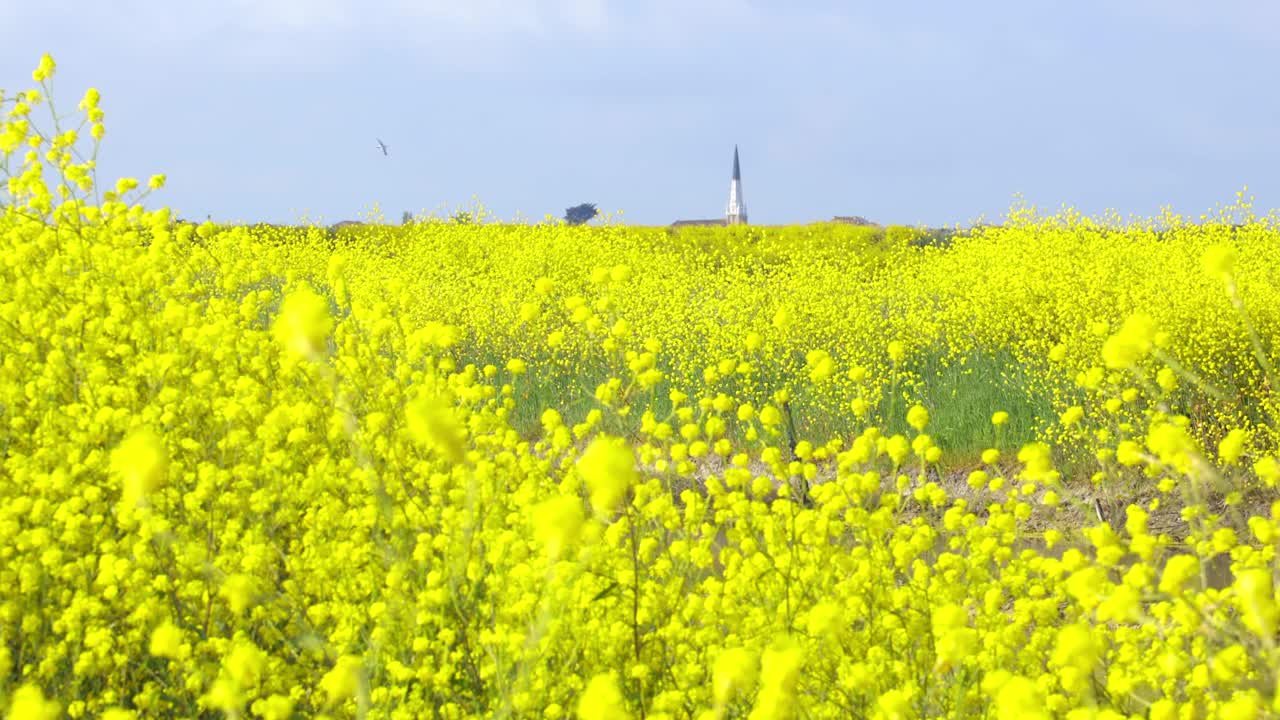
<point x="736" y="212"/>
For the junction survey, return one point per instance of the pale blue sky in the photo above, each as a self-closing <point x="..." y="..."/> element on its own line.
<point x="903" y="112"/>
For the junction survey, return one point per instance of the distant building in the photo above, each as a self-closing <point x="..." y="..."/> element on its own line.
<point x="735" y="212"/>
<point x="853" y="220"/>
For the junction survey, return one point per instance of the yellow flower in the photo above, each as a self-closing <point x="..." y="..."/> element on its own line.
<point x="1173" y="445"/>
<point x="1255" y="598"/>
<point x="1268" y="470"/>
<point x="142" y="463"/>
<point x="895" y="704"/>
<point x="166" y="641"/>
<point x="273" y="707"/>
<point x="1129" y="453"/>
<point x="1178" y="571"/>
<point x="999" y="418"/>
<point x="734" y="671"/>
<point x="782" y="319"/>
<point x="239" y="590"/>
<point x="432" y="422"/>
<point x="245" y="664"/>
<point x="898" y="448"/>
<point x="45" y="69"/>
<point x="304" y="323"/>
<point x="954" y="640"/>
<point x="620" y="273"/>
<point x="860" y="407"/>
<point x="557" y="523"/>
<point x="28" y="703"/>
<point x="1020" y="699"/>
<point x="824" y="619"/>
<point x="90" y="99"/>
<point x="779" y="673"/>
<point x="1219" y="260"/>
<point x="1232" y="446"/>
<point x="609" y="469"/>
<point x="344" y="680"/>
<point x="1131" y="343"/>
<point x="602" y="700"/>
<point x="897" y="351"/>
<point x="918" y="417"/>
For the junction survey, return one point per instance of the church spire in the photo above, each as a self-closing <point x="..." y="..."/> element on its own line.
<point x="736" y="212"/>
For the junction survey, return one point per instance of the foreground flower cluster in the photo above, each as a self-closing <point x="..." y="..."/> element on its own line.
<point x="241" y="478"/>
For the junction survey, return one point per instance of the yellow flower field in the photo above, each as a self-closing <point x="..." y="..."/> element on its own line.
<point x="483" y="470"/>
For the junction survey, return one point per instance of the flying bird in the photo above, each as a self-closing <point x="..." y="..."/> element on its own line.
<point x="383" y="146"/>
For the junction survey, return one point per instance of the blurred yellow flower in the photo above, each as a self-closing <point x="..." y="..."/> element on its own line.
<point x="602" y="700"/>
<point x="343" y="681"/>
<point x="1219" y="260"/>
<point x="29" y="703"/>
<point x="432" y="422"/>
<point x="304" y="323"/>
<point x="166" y="641"/>
<point x="142" y="463"/>
<point x="733" y="672"/>
<point x="608" y="468"/>
<point x="557" y="523"/>
<point x="918" y="417"/>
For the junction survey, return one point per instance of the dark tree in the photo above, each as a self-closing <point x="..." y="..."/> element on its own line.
<point x="406" y="218"/>
<point x="579" y="214"/>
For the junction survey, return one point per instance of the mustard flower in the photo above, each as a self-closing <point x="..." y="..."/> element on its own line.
<point x="432" y="422"/>
<point x="918" y="417"/>
<point x="608" y="467"/>
<point x="602" y="700"/>
<point x="1255" y="597"/>
<point x="343" y="681"/>
<point x="1020" y="698"/>
<point x="45" y="69"/>
<point x="1232" y="446"/>
<point x="1131" y="343"/>
<point x="733" y="672"/>
<point x="142" y="463"/>
<point x="166" y="641"/>
<point x="304" y="322"/>
<point x="1178" y="571"/>
<point x="273" y="707"/>
<point x="29" y="703"/>
<point x="1219" y="260"/>
<point x="557" y="523"/>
